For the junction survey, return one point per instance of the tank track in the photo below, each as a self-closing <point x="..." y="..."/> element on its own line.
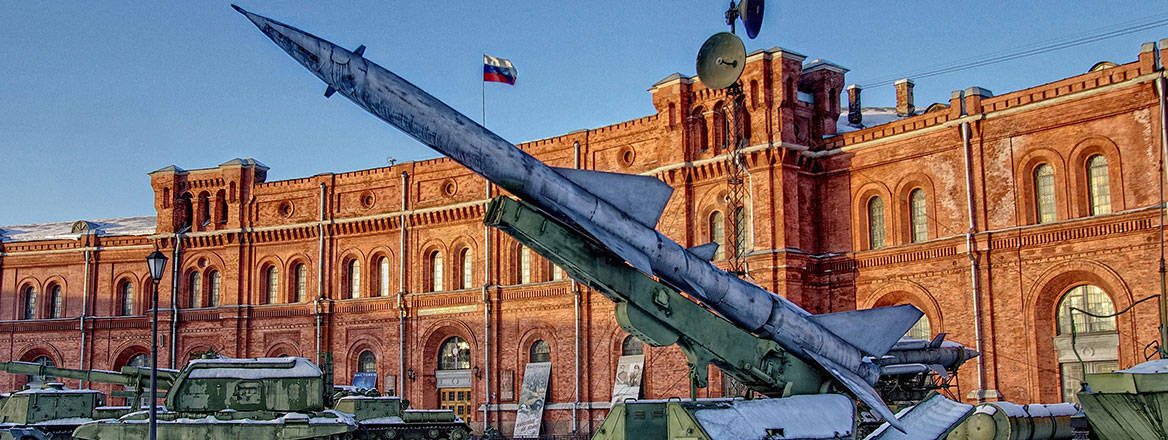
<point x="427" y="431"/>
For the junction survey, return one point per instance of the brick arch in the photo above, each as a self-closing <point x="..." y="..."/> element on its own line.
<point x="191" y="264"/>
<point x="284" y="346"/>
<point x="260" y="281"/>
<point x="187" y="351"/>
<point x="457" y="245"/>
<point x="129" y="349"/>
<point x="289" y="277"/>
<point x="1024" y="181"/>
<point x="1040" y="309"/>
<point x="374" y="270"/>
<point x="1077" y="165"/>
<point x="907" y="292"/>
<point x="23" y="286"/>
<point x="140" y="283"/>
<point x="902" y="211"/>
<point x="432" y="341"/>
<point x="529" y="336"/>
<point x="54" y="280"/>
<point x="32" y="351"/>
<point x="358" y="346"/>
<point x="860" y="198"/>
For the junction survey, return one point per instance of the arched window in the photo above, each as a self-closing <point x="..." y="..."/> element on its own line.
<point x="366" y="362"/>
<point x="875" y="223"/>
<point x="1044" y="193"/>
<point x="454" y="354"/>
<point x="271" y="285"/>
<point x="557" y="273"/>
<point x="741" y="232"/>
<point x="436" y="271"/>
<point x="1098" y="334"/>
<point x="29" y="303"/>
<point x="632" y="346"/>
<point x="918" y="215"/>
<point x="383" y="276"/>
<point x="718" y="234"/>
<point x="467" y="270"/>
<point x="55" y="300"/>
<point x="721" y="127"/>
<point x="204" y="210"/>
<point x="1098" y="187"/>
<point x="216" y="284"/>
<point x="698" y="136"/>
<point x="354" y="278"/>
<point x="743" y="130"/>
<point x="195" y="290"/>
<point x="540" y="351"/>
<point x="920" y="330"/>
<point x="37" y="380"/>
<point x="301" y="272"/>
<point x="524" y="265"/>
<point x="126" y="302"/>
<point x="139" y="360"/>
<point x="184" y="211"/>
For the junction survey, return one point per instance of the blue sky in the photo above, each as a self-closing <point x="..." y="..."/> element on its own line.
<point x="98" y="94"/>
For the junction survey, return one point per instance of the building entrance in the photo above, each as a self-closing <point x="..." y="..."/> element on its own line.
<point x="455" y="399"/>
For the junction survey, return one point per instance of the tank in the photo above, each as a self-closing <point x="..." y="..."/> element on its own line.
<point x="271" y="398"/>
<point x="54" y="411"/>
<point x="1128" y="403"/>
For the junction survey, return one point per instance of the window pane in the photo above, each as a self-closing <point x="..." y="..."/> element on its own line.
<point x="540" y="351"/>
<point x="718" y="234"/>
<point x="301" y="282"/>
<point x="383" y="276"/>
<point x="355" y="279"/>
<point x="454" y="354"/>
<point x="30" y="303"/>
<point x="875" y="223"/>
<point x="55" y="304"/>
<point x="920" y="228"/>
<point x="632" y="346"/>
<point x="920" y="330"/>
<point x="216" y="283"/>
<point x="1099" y="189"/>
<point x="436" y="272"/>
<point x="367" y="362"/>
<point x="1044" y="193"/>
<point x="127" y="298"/>
<point x="273" y="284"/>
<point x="467" y="274"/>
<point x="524" y="265"/>
<point x="1092" y="299"/>
<point x="195" y="287"/>
<point x="741" y="232"/>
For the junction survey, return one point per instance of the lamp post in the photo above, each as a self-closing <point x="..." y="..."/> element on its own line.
<point x="156" y="261"/>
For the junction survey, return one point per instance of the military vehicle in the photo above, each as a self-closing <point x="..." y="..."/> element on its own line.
<point x="282" y="398"/>
<point x="1130" y="403"/>
<point x="49" y="410"/>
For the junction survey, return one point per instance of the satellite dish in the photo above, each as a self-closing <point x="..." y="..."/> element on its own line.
<point x="721" y="60"/>
<point x="751" y="13"/>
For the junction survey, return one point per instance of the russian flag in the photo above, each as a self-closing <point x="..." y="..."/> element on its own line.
<point x="498" y="70"/>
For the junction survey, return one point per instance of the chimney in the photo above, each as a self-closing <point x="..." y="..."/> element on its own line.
<point x="855" y="118"/>
<point x="904" y="97"/>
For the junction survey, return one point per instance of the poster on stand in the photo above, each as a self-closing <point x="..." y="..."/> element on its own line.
<point x="628" y="378"/>
<point x="532" y="396"/>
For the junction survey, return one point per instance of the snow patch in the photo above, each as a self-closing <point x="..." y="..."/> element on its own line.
<point x="806" y="417"/>
<point x="252" y="369"/>
<point x="144" y="225"/>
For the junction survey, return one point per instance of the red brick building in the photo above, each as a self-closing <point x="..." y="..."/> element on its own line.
<point x="990" y="213"/>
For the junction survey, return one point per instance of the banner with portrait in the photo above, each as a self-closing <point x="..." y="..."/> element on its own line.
<point x="628" y="378"/>
<point x="532" y="396"/>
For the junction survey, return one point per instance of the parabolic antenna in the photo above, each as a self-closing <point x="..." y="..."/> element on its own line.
<point x="721" y="60"/>
<point x="751" y="13"/>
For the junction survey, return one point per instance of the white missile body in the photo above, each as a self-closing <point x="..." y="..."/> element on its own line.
<point x="619" y="210"/>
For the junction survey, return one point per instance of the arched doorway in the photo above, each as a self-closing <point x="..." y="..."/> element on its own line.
<point x="454" y="376"/>
<point x="1095" y="339"/>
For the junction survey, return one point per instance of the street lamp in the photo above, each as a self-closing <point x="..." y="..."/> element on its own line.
<point x="156" y="261"/>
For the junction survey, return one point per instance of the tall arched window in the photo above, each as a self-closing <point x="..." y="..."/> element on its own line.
<point x="540" y="351"/>
<point x="301" y="272"/>
<point x="195" y="290"/>
<point x="221" y="206"/>
<point x="721" y="127"/>
<point x="1098" y="187"/>
<point x="524" y="265"/>
<point x="1044" y="193"/>
<point x="919" y="215"/>
<point x="383" y="276"/>
<point x="698" y="134"/>
<point x="436" y="271"/>
<point x="216" y="284"/>
<point x="1096" y="338"/>
<point x="467" y="270"/>
<point x="204" y="210"/>
<point x="30" y="303"/>
<point x="454" y="354"/>
<point x="741" y="232"/>
<point x="55" y="301"/>
<point x="272" y="285"/>
<point x="718" y="234"/>
<point x="354" y="278"/>
<point x="875" y="223"/>
<point x="126" y="302"/>
<point x="632" y="346"/>
<point x="366" y="362"/>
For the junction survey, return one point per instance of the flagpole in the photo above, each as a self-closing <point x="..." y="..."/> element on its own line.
<point x="484" y="83"/>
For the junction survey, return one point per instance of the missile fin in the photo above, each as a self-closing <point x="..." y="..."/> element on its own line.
<point x="873" y="331"/>
<point x="705" y="251"/>
<point x="937" y="340"/>
<point x="860" y="388"/>
<point x="328" y="93"/>
<point x="359" y="51"/>
<point x="641" y="197"/>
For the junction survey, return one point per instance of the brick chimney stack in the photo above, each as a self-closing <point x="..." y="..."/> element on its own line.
<point x="854" y="115"/>
<point x="904" y="97"/>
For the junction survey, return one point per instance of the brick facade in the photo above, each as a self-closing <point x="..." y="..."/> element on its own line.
<point x="809" y="189"/>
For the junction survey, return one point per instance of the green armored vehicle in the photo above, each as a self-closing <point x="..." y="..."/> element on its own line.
<point x="50" y="410"/>
<point x="270" y="398"/>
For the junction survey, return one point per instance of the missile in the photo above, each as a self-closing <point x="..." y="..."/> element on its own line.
<point x="606" y="207"/>
<point x="912" y="356"/>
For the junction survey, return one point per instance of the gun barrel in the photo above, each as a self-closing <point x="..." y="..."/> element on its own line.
<point x="131" y="376"/>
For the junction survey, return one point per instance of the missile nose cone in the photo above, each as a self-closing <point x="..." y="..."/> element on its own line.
<point x="237" y="8"/>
